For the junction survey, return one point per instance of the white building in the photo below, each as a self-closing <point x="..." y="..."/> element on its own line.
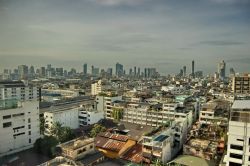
<point x="19" y="117"/>
<point x="18" y="90"/>
<point x="238" y="152"/>
<point x="173" y="89"/>
<point x="96" y="88"/>
<point x="89" y="115"/>
<point x="68" y="117"/>
<point x="165" y="143"/>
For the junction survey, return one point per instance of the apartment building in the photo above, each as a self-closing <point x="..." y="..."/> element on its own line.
<point x="241" y="84"/>
<point x="88" y="115"/>
<point x="104" y="103"/>
<point x="18" y="90"/>
<point x="67" y="116"/>
<point x="19" y="117"/>
<point x="238" y="150"/>
<point x="155" y="115"/>
<point x="214" y="112"/>
<point x="165" y="142"/>
<point x="96" y="88"/>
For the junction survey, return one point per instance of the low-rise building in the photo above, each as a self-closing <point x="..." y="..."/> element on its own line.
<point x="77" y="148"/>
<point x="113" y="145"/>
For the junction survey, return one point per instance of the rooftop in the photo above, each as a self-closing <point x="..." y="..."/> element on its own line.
<point x="77" y="143"/>
<point x="241" y="104"/>
<point x="187" y="160"/>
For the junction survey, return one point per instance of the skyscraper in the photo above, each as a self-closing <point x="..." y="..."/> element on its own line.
<point x="85" y="68"/>
<point x="23" y="72"/>
<point x="119" y="69"/>
<point x="139" y="72"/>
<point x="135" y="70"/>
<point x="192" y="68"/>
<point x="222" y="70"/>
<point x="184" y="71"/>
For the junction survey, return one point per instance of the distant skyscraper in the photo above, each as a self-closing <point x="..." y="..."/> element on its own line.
<point x="184" y="71"/>
<point x="119" y="69"/>
<point x="85" y="68"/>
<point x="110" y="71"/>
<point x="135" y="70"/>
<point x="42" y="72"/>
<point x="145" y="72"/>
<point x="92" y="69"/>
<point x="192" y="68"/>
<point x="130" y="71"/>
<point x="23" y="72"/>
<point x="222" y="70"/>
<point x="139" y="72"/>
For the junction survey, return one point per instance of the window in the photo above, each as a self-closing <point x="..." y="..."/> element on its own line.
<point x="18" y="134"/>
<point x="16" y="128"/>
<point x="237" y="156"/>
<point x="29" y="120"/>
<point x="29" y="140"/>
<point x="236" y="147"/>
<point x="16" y="115"/>
<point x="29" y="126"/>
<point x="7" y="117"/>
<point x="7" y="124"/>
<point x="240" y="140"/>
<point x="29" y="132"/>
<point x="234" y="164"/>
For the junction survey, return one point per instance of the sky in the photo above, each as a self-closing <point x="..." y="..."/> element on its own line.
<point x="166" y="34"/>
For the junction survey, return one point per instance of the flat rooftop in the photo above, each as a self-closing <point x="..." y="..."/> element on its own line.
<point x="77" y="143"/>
<point x="187" y="160"/>
<point x="241" y="104"/>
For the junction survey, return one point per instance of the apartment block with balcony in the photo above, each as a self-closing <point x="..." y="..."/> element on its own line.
<point x="19" y="117"/>
<point x="238" y="152"/>
<point x="241" y="84"/>
<point x="89" y="115"/>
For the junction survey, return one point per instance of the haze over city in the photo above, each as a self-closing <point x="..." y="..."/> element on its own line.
<point x="162" y="33"/>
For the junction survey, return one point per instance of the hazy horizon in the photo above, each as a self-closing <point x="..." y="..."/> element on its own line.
<point x="166" y="34"/>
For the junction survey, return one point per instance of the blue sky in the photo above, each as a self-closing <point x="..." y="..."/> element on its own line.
<point x="166" y="34"/>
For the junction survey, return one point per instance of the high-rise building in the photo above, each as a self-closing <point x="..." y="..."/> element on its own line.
<point x="241" y="84"/>
<point x="23" y="72"/>
<point x="145" y="72"/>
<point x="135" y="71"/>
<point x="42" y="72"/>
<point x="184" y="71"/>
<point x="139" y="72"/>
<point x="110" y="71"/>
<point x="192" y="68"/>
<point x="231" y="72"/>
<point x="118" y="69"/>
<point x="222" y="70"/>
<point x="85" y="69"/>
<point x="59" y="72"/>
<point x="19" y="113"/>
<point x="238" y="134"/>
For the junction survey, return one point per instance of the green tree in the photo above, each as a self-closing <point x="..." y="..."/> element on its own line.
<point x="117" y="113"/>
<point x="56" y="130"/>
<point x="97" y="129"/>
<point x="42" y="125"/>
<point x="45" y="145"/>
<point x="61" y="133"/>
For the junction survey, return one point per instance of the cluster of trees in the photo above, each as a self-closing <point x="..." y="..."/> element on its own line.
<point x="117" y="113"/>
<point x="59" y="134"/>
<point x="97" y="129"/>
<point x="62" y="134"/>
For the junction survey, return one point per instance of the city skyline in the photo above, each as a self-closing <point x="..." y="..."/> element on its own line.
<point x="162" y="34"/>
